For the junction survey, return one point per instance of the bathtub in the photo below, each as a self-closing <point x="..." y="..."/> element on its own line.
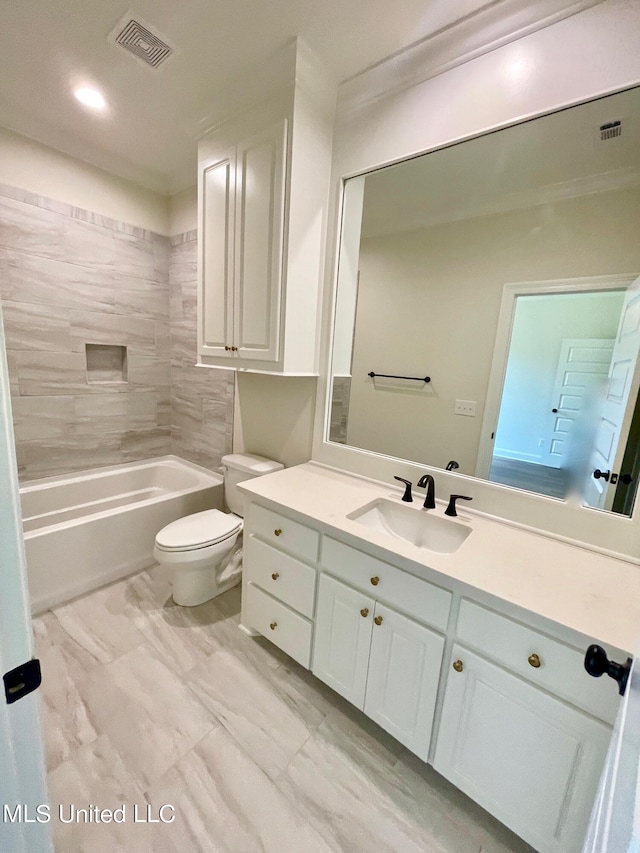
<point x="86" y="529"/>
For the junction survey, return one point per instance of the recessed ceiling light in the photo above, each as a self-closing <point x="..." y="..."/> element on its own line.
<point x="90" y="97"/>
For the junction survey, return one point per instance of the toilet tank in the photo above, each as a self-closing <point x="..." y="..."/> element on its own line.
<point x="238" y="467"/>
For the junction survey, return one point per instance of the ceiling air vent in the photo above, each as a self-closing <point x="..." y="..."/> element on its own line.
<point x="141" y="42"/>
<point x="610" y="130"/>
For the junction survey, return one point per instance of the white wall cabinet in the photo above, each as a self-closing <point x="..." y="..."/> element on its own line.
<point x="378" y="659"/>
<point x="241" y="230"/>
<point x="530" y="759"/>
<point x="512" y="719"/>
<point x="263" y="184"/>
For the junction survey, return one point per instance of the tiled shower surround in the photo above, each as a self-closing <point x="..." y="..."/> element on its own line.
<point x="71" y="279"/>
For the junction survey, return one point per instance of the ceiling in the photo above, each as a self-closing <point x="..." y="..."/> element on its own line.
<point x="148" y="133"/>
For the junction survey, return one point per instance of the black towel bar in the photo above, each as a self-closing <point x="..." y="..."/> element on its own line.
<point x="392" y="376"/>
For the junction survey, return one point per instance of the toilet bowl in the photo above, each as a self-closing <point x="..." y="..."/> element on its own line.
<point x="203" y="550"/>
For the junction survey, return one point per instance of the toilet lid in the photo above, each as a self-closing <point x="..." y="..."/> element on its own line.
<point x="198" y="530"/>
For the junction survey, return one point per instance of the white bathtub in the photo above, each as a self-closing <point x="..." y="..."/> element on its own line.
<point x="86" y="529"/>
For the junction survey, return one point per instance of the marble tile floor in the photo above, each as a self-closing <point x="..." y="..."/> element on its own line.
<point x="149" y="705"/>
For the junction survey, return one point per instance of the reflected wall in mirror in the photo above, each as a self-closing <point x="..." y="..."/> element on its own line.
<point x="505" y="268"/>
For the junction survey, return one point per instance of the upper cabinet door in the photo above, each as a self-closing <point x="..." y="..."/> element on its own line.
<point x="217" y="218"/>
<point x="259" y="234"/>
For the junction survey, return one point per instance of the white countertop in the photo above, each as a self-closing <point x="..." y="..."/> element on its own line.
<point x="592" y="593"/>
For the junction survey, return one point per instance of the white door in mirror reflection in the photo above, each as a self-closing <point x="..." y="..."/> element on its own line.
<point x="615" y="416"/>
<point x="580" y="378"/>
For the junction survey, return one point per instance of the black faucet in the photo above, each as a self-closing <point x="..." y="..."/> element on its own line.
<point x="452" y="465"/>
<point x="430" y="498"/>
<point x="407" y="489"/>
<point x="451" y="509"/>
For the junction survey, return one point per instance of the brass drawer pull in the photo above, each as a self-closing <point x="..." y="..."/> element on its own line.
<point x="275" y="576"/>
<point x="273" y="626"/>
<point x="535" y="661"/>
<point x="378" y="620"/>
<point x="364" y="612"/>
<point x="375" y="581"/>
<point x="278" y="531"/>
<point x="458" y="665"/>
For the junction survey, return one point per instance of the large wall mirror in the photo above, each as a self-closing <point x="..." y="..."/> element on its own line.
<point x="492" y="289"/>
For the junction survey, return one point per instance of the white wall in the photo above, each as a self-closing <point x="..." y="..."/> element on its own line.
<point x="274" y="416"/>
<point x="28" y="165"/>
<point x="428" y="303"/>
<point x="183" y="211"/>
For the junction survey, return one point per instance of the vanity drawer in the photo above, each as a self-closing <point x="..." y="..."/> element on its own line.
<point x="416" y="597"/>
<point x="278" y="623"/>
<point x="291" y="536"/>
<point x="280" y="575"/>
<point x="520" y="648"/>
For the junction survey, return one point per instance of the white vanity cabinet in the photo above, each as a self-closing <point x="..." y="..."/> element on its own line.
<point x="496" y="698"/>
<point x="378" y="659"/>
<point x="263" y="182"/>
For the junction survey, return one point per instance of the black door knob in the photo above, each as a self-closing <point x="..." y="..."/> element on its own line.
<point x="597" y="663"/>
<point x="555" y="411"/>
<point x="598" y="474"/>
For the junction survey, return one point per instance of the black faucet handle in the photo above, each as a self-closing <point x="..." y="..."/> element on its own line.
<point x="407" y="498"/>
<point x="451" y="508"/>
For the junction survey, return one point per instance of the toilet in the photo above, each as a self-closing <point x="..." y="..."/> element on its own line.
<point x="203" y="550"/>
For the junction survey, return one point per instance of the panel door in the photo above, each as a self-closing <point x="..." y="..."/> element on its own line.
<point x="617" y="405"/>
<point x="525" y="756"/>
<point x="402" y="684"/>
<point x="216" y="287"/>
<point x="260" y="192"/>
<point x="344" y="619"/>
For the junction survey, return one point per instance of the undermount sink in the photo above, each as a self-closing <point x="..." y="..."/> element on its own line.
<point x="412" y="525"/>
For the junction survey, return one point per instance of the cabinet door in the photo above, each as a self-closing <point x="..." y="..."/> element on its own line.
<point x="217" y="221"/>
<point x="344" y="619"/>
<point x="402" y="683"/>
<point x="525" y="756"/>
<point x="260" y="188"/>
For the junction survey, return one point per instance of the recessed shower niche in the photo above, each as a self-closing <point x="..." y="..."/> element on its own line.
<point x="106" y="363"/>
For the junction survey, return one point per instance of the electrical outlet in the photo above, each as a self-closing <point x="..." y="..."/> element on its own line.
<point x="465" y="407"/>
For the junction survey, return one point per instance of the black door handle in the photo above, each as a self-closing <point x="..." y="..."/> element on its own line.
<point x="598" y="474"/>
<point x="555" y="411"/>
<point x="597" y="663"/>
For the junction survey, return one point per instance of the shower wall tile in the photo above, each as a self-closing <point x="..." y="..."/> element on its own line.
<point x="48" y="373"/>
<point x="68" y="278"/>
<point x="43" y="418"/>
<point x="36" y="327"/>
<point x="71" y="277"/>
<point x="94" y="327"/>
<point x="201" y="398"/>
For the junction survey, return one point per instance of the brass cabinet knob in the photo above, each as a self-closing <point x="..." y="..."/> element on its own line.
<point x="226" y="348"/>
<point x="535" y="661"/>
<point x="233" y="349"/>
<point x="378" y="620"/>
<point x="375" y="581"/>
<point x="275" y="576"/>
<point x="364" y="612"/>
<point x="278" y="531"/>
<point x="273" y="626"/>
<point x="458" y="665"/>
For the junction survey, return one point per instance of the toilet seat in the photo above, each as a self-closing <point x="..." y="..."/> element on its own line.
<point x="199" y="530"/>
